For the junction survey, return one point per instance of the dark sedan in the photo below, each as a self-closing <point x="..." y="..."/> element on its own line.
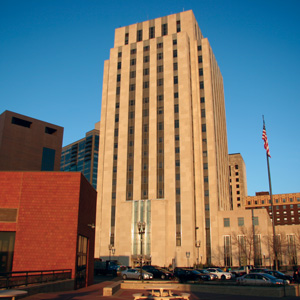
<point x="158" y="272"/>
<point x="184" y="275"/>
<point x="280" y="275"/>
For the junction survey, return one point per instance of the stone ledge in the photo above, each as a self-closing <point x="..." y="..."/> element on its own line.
<point x="111" y="289"/>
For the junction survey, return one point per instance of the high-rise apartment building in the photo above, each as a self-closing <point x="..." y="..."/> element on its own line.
<point x="82" y="156"/>
<point x="163" y="144"/>
<point x="28" y="144"/>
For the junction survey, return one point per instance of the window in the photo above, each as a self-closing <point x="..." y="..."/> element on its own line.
<point x="177" y="163"/>
<point x="159" y="56"/>
<point x="119" y="54"/>
<point x="199" y="48"/>
<point x="226" y="222"/>
<point x="174" y="42"/>
<point x="175" y="79"/>
<point x="283" y="200"/>
<point x="202" y="100"/>
<point x="205" y="178"/>
<point x="132" y="62"/>
<point x="118" y="77"/>
<point x="48" y="159"/>
<point x="200" y="59"/>
<point x="146" y="71"/>
<point x="203" y="113"/>
<point x="160" y="82"/>
<point x="21" y="122"/>
<point x="201" y="85"/>
<point x="241" y="221"/>
<point x="118" y="90"/>
<point x="160" y="45"/>
<point x="133" y="51"/>
<point x="203" y="127"/>
<point x="131" y="102"/>
<point x="174" y="53"/>
<point x="146" y="48"/>
<point x="178" y="26"/>
<point x="139" y="35"/>
<point x="126" y="38"/>
<point x="206" y="193"/>
<point x="176" y="95"/>
<point x="176" y="108"/>
<point x="160" y="69"/>
<point x="291" y="199"/>
<point x="176" y="123"/>
<point x="175" y="67"/>
<point x="200" y="72"/>
<point x="119" y="65"/>
<point x="131" y="87"/>
<point x="146" y="84"/>
<point x="132" y="74"/>
<point x="146" y="58"/>
<point x="164" y="29"/>
<point x="152" y="32"/>
<point x="205" y="166"/>
<point x="7" y="243"/>
<point x="160" y="126"/>
<point x="160" y="97"/>
<point x="50" y="130"/>
<point x="177" y="150"/>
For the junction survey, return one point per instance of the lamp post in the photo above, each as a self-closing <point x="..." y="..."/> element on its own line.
<point x="141" y="227"/>
<point x="198" y="244"/>
<point x="110" y="247"/>
<point x="187" y="256"/>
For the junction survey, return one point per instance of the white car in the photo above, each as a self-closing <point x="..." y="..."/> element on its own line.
<point x="220" y="273"/>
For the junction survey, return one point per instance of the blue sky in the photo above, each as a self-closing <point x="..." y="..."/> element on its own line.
<point x="52" y="54"/>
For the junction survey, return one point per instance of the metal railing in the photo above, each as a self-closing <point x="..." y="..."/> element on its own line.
<point x="10" y="280"/>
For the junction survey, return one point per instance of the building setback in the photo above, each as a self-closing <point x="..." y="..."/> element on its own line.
<point x="27" y="144"/>
<point x="163" y="144"/>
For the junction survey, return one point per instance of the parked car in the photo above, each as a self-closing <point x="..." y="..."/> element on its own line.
<point x="108" y="267"/>
<point x="184" y="275"/>
<point x="241" y="270"/>
<point x="158" y="272"/>
<point x="211" y="275"/>
<point x="259" y="279"/>
<point x="260" y="270"/>
<point x="280" y="275"/>
<point x="220" y="273"/>
<point x="136" y="274"/>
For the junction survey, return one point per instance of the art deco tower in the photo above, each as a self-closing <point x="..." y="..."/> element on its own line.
<point x="163" y="144"/>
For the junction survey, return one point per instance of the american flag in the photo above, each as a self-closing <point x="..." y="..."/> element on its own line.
<point x="265" y="138"/>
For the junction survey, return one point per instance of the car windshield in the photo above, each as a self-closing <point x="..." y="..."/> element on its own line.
<point x="269" y="276"/>
<point x="279" y="273"/>
<point x="203" y="271"/>
<point x="219" y="270"/>
<point x="195" y="272"/>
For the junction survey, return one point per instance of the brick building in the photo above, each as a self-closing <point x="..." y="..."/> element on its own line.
<point x="28" y="144"/>
<point x="44" y="223"/>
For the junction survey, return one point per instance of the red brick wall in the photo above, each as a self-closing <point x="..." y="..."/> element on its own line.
<point x="47" y="225"/>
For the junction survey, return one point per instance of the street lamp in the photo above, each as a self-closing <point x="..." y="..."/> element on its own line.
<point x="198" y="245"/>
<point x="141" y="227"/>
<point x="188" y="256"/>
<point x="110" y="248"/>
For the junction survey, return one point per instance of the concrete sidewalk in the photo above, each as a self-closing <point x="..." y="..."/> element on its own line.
<point x="95" y="292"/>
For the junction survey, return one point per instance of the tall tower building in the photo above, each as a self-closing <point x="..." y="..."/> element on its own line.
<point x="82" y="156"/>
<point x="163" y="145"/>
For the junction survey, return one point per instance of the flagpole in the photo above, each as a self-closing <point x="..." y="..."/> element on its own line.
<point x="273" y="216"/>
<point x="271" y="197"/>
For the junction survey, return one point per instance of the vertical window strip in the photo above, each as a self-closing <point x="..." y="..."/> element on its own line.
<point x="160" y="128"/>
<point x="177" y="149"/>
<point x="131" y="130"/>
<point x="115" y="154"/>
<point x="145" y="133"/>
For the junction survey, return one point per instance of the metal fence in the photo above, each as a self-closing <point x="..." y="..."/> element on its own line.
<point x="14" y="279"/>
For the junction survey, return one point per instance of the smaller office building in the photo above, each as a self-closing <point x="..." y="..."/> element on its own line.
<point x="28" y="144"/>
<point x="47" y="223"/>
